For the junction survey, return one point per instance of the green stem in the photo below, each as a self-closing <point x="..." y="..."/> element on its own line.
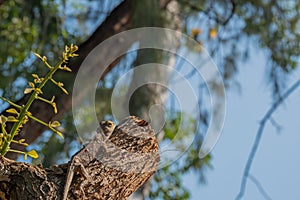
<point x="11" y="103"/>
<point x="24" y="110"/>
<point x="45" y="124"/>
<point x="3" y="129"/>
<point x="21" y="143"/>
<point x="17" y="151"/>
<point x="44" y="100"/>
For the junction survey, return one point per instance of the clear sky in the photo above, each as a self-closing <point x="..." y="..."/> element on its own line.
<point x="276" y="164"/>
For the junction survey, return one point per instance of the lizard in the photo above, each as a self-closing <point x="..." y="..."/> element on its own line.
<point x="86" y="154"/>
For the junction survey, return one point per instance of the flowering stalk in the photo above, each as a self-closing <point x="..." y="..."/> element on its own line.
<point x="23" y="115"/>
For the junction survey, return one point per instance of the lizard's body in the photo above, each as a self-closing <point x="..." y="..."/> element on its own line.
<point x="83" y="157"/>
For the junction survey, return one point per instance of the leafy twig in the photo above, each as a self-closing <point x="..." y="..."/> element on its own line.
<point x="23" y="115"/>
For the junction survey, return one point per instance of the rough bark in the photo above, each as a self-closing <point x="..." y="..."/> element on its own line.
<point x="115" y="171"/>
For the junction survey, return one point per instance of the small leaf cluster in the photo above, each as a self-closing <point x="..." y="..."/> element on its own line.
<point x="19" y="115"/>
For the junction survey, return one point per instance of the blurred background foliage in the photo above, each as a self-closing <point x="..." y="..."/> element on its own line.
<point x="225" y="28"/>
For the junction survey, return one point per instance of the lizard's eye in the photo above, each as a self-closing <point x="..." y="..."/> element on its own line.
<point x="109" y="124"/>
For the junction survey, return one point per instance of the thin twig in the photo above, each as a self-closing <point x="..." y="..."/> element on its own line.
<point x="276" y="125"/>
<point x="207" y="12"/>
<point x="259" y="187"/>
<point x="259" y="133"/>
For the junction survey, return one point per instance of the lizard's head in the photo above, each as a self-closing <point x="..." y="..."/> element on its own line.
<point x="107" y="127"/>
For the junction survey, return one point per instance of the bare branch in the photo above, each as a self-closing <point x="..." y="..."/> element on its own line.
<point x="259" y="133"/>
<point x="216" y="18"/>
<point x="259" y="187"/>
<point x="276" y="125"/>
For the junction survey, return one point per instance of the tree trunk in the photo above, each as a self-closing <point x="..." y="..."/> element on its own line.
<point x="116" y="169"/>
<point x="148" y="101"/>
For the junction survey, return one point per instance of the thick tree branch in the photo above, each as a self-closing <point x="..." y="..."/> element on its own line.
<point x="259" y="134"/>
<point x="116" y="168"/>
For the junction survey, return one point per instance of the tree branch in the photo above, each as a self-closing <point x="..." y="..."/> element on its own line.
<point x="277" y="126"/>
<point x="117" y="167"/>
<point x="216" y="18"/>
<point x="259" y="133"/>
<point x="259" y="187"/>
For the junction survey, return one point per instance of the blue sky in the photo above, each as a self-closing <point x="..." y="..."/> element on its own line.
<point x="276" y="164"/>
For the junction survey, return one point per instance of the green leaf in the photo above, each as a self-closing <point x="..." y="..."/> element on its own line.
<point x="3" y="119"/>
<point x="38" y="55"/>
<point x="169" y="134"/>
<point x="22" y="140"/>
<point x="24" y="144"/>
<point x="38" y="90"/>
<point x="32" y="154"/>
<point x="74" y="55"/>
<point x="28" y="90"/>
<point x="66" y="68"/>
<point x="25" y="120"/>
<point x="55" y="124"/>
<point x="12" y="111"/>
<point x="73" y="48"/>
<point x="31" y="84"/>
<point x="64" y="90"/>
<point x="67" y="49"/>
<point x="35" y="76"/>
<point x="38" y="80"/>
<point x="11" y="119"/>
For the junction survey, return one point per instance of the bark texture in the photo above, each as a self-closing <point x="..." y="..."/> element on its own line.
<point x="115" y="171"/>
